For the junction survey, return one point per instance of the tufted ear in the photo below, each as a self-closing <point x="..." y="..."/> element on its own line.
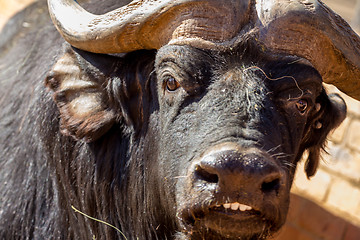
<point x="329" y="117"/>
<point x="81" y="97"/>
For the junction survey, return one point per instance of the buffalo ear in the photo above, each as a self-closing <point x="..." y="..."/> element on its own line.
<point x="330" y="116"/>
<point x="81" y="98"/>
<point x="312" y="162"/>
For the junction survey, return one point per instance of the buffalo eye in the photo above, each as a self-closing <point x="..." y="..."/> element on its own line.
<point x="302" y="105"/>
<point x="172" y="84"/>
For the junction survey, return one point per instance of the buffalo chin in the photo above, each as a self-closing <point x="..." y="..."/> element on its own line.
<point x="216" y="223"/>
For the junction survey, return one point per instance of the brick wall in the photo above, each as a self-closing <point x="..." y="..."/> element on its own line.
<point x="308" y="221"/>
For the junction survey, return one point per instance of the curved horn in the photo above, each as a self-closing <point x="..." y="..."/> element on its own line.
<point x="309" y="29"/>
<point x="306" y="28"/>
<point x="148" y="24"/>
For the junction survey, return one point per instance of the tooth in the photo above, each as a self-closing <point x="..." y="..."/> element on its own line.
<point x="235" y="206"/>
<point x="227" y="205"/>
<point x="248" y="208"/>
<point x="243" y="207"/>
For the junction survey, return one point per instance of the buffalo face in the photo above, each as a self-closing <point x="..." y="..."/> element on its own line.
<point x="219" y="115"/>
<point x="232" y="134"/>
<point x="218" y="132"/>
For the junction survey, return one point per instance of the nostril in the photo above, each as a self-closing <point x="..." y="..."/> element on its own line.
<point x="272" y="185"/>
<point x="202" y="174"/>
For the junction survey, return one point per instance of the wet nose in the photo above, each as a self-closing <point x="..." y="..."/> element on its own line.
<point x="232" y="170"/>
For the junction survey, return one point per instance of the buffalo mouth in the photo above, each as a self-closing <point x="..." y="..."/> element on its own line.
<point x="230" y="220"/>
<point x="237" y="210"/>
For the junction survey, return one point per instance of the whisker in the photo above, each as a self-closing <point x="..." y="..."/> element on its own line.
<point x="180" y="177"/>
<point x="289" y="164"/>
<point x="274" y="148"/>
<point x="281" y="155"/>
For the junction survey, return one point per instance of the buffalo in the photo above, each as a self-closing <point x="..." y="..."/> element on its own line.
<point x="167" y="119"/>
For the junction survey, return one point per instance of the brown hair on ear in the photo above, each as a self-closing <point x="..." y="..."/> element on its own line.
<point x="81" y="99"/>
<point x="331" y="113"/>
<point x="312" y="162"/>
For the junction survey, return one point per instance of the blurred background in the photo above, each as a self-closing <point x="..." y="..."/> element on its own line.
<point x="328" y="206"/>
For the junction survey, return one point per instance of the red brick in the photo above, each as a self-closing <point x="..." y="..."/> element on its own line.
<point x="316" y="188"/>
<point x="354" y="136"/>
<point x="295" y="208"/>
<point x="291" y="232"/>
<point x="321" y="223"/>
<point x="343" y="161"/>
<point x="352" y="232"/>
<point x="344" y="196"/>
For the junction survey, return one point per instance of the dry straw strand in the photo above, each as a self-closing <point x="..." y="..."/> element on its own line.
<point x="98" y="220"/>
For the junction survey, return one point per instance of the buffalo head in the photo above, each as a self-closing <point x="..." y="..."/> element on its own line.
<point x="221" y="97"/>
